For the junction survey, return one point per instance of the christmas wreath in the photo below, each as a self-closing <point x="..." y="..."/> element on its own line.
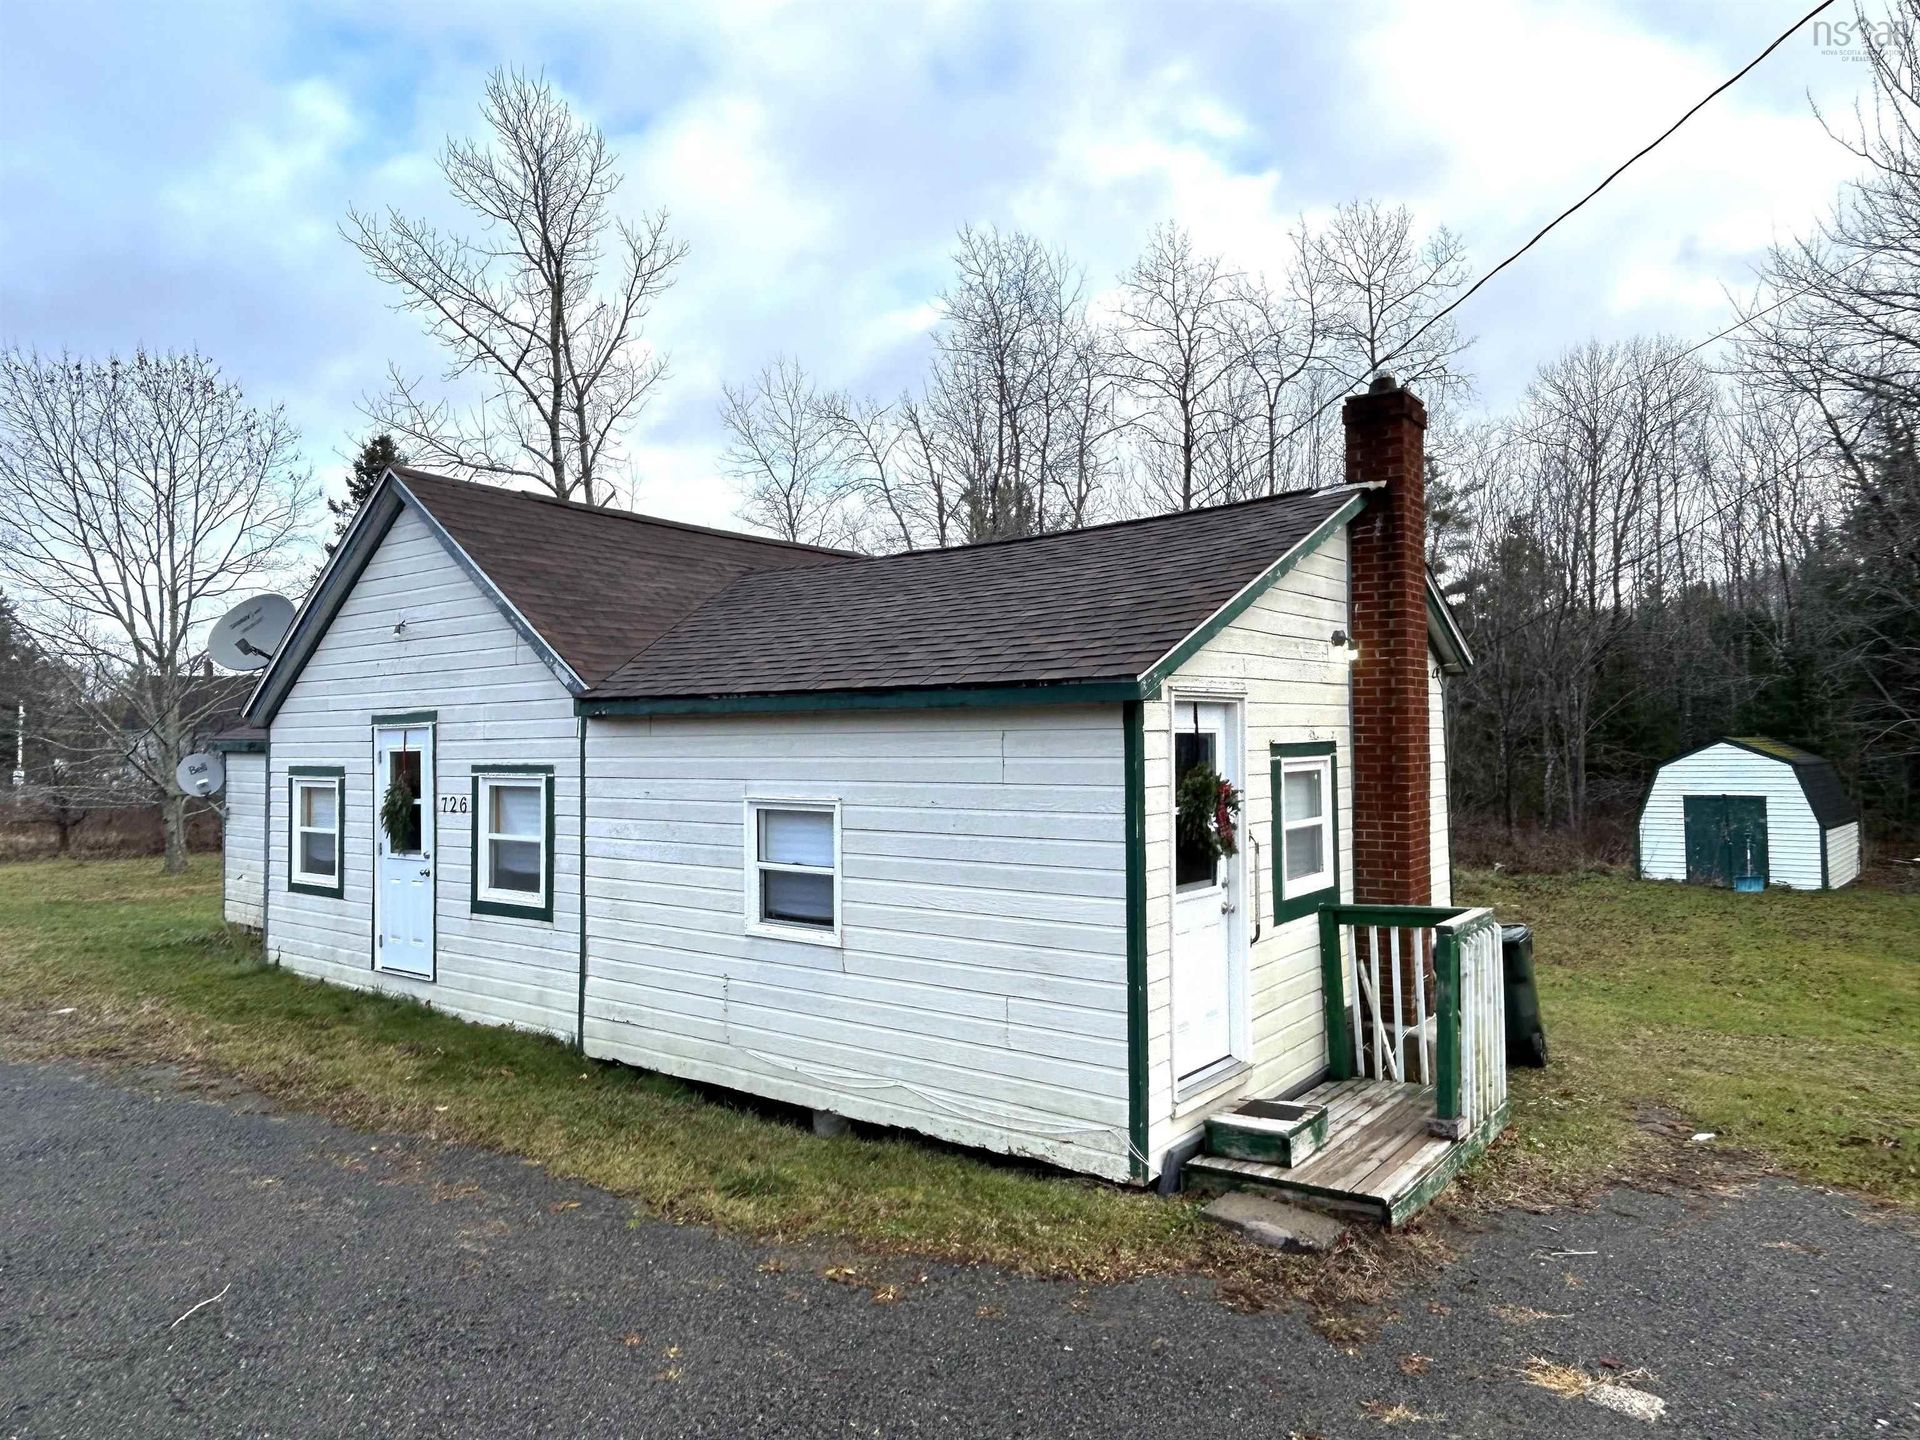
<point x="396" y="813"/>
<point x="1207" y="805"/>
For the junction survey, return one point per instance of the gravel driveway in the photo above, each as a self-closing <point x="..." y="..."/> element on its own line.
<point x="372" y="1285"/>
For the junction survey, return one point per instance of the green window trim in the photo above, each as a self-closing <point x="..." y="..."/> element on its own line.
<point x="296" y="774"/>
<point x="1292" y="904"/>
<point x="542" y="908"/>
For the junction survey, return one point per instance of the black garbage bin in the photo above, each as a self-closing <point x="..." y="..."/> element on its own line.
<point x="1526" y="1040"/>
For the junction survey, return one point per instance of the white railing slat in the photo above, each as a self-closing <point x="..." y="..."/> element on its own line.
<point x="1479" y="1029"/>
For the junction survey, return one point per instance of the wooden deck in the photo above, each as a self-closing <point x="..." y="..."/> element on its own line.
<point x="1379" y="1159"/>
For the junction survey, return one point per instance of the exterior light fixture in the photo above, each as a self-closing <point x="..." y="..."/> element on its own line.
<point x="1343" y="648"/>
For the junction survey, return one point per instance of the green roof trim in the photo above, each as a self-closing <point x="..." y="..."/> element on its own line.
<point x="959" y="697"/>
<point x="1167" y="664"/>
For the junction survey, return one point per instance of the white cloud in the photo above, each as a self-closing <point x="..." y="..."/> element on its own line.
<point x="185" y="176"/>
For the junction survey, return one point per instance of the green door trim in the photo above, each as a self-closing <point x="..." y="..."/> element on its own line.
<point x="1133" y="747"/>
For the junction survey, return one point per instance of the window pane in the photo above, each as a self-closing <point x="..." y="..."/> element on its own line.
<point x="403" y="768"/>
<point x="797" y="837"/>
<point x="514" y="810"/>
<point x="514" y="865"/>
<point x="1192" y="865"/>
<point x="794" y="899"/>
<point x="1303" y="800"/>
<point x="318" y="805"/>
<point x="1306" y="851"/>
<point x="1191" y="748"/>
<point x="317" y="852"/>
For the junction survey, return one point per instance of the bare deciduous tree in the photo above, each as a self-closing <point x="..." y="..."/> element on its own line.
<point x="1381" y="285"/>
<point x="1177" y="324"/>
<point x="138" y="499"/>
<point x="543" y="313"/>
<point x="789" y="450"/>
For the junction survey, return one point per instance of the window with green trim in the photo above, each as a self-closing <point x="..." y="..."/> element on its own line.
<point x="313" y="830"/>
<point x="1306" y="833"/>
<point x="513" y="842"/>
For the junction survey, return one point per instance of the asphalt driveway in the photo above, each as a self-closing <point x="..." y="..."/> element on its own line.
<point x="371" y="1285"/>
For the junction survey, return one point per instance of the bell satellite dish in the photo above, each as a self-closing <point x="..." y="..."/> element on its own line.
<point x="249" y="634"/>
<point x="200" y="774"/>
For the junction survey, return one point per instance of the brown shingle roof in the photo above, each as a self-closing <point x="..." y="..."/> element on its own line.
<point x="1098" y="604"/>
<point x="598" y="585"/>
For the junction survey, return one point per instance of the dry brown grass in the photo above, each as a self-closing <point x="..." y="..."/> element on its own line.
<point x="112" y="963"/>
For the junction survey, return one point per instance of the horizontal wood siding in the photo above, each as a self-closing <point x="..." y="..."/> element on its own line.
<point x="497" y="704"/>
<point x="240" y="840"/>
<point x="1442" y="891"/>
<point x="1793" y="835"/>
<point x="979" y="993"/>
<point x="1843" y="854"/>
<point x="1276" y="656"/>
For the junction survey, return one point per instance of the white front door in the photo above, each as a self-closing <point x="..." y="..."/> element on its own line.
<point x="1205" y="898"/>
<point x="403" y="861"/>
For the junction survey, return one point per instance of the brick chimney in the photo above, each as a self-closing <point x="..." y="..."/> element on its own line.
<point x="1392" y="765"/>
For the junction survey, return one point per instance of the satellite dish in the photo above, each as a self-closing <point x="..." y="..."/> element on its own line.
<point x="248" y="634"/>
<point x="200" y="774"/>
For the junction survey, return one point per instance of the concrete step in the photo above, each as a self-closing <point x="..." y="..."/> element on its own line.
<point x="1267" y="1220"/>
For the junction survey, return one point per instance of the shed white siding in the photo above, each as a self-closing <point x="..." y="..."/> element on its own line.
<point x="1275" y="657"/>
<point x="242" y="838"/>
<point x="1442" y="838"/>
<point x="979" y="992"/>
<point x="496" y="704"/>
<point x="1843" y="854"/>
<point x="1793" y="835"/>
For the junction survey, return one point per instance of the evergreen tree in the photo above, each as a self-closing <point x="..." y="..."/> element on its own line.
<point x="376" y="455"/>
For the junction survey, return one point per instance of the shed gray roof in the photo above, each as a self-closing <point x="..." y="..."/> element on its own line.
<point x="1103" y="603"/>
<point x="1819" y="781"/>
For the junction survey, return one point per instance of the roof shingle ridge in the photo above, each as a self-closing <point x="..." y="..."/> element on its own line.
<point x="407" y="472"/>
<point x="1168" y="515"/>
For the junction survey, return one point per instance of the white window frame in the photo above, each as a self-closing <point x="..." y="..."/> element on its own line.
<point x="1321" y="879"/>
<point x="309" y="881"/>
<point x="755" y="866"/>
<point x="535" y="904"/>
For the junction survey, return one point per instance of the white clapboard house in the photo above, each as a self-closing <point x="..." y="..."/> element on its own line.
<point x="1749" y="812"/>
<point x="896" y="838"/>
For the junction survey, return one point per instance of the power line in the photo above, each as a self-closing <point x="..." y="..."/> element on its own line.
<point x="1619" y="170"/>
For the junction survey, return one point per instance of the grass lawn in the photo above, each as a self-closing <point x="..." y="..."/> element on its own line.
<point x="1787" y="1023"/>
<point x="151" y="974"/>
<point x="1790" y="1024"/>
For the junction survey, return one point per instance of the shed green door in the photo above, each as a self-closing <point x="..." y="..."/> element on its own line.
<point x="1726" y="838"/>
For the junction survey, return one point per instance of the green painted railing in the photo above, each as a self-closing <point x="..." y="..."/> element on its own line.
<point x="1415" y="993"/>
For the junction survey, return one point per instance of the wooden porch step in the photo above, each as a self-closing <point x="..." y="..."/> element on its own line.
<point x="1379" y="1160"/>
<point x="1218" y="1172"/>
<point x="1273" y="1132"/>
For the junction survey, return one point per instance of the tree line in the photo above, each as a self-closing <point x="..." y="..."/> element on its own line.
<point x="1651" y="552"/>
<point x="1045" y="406"/>
<point x="1659" y="542"/>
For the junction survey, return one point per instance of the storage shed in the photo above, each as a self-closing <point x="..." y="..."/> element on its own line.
<point x="1749" y="812"/>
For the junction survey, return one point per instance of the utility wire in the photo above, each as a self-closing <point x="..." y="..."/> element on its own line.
<point x="1458" y="300"/>
<point x="1618" y="171"/>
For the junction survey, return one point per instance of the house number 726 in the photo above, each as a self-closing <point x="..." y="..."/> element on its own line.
<point x="453" y="804"/>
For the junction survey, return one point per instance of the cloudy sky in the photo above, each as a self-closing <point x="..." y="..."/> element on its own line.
<point x="173" y="175"/>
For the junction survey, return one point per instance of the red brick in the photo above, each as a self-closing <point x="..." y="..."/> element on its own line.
<point x="1392" y="835"/>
